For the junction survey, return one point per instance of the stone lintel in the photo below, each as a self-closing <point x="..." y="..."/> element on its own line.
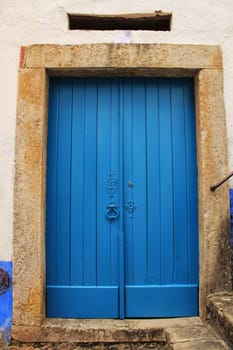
<point x="122" y="56"/>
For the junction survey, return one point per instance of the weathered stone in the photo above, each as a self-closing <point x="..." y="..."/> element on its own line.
<point x="200" y="345"/>
<point x="220" y="315"/>
<point x="28" y="261"/>
<point x="64" y="330"/>
<point x="175" y="332"/>
<point x="120" y="55"/>
<point x="214" y="229"/>
<point x="113" y="331"/>
<point x="21" y="347"/>
<point x="182" y="334"/>
<point x="103" y="346"/>
<point x="194" y="336"/>
<point x="189" y="333"/>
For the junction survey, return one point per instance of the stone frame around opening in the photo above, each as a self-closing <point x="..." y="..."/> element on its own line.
<point x="37" y="63"/>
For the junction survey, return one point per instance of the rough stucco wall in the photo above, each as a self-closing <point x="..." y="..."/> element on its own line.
<point x="197" y="22"/>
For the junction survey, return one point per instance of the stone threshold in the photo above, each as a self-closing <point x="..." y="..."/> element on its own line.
<point x="170" y="334"/>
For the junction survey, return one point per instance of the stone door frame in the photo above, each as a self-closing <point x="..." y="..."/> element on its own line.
<point x="37" y="63"/>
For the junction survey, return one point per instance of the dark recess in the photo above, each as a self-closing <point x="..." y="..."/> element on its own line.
<point x="158" y="21"/>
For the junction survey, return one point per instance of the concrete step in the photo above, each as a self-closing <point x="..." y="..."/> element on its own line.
<point x="157" y="334"/>
<point x="194" y="336"/>
<point x="220" y="315"/>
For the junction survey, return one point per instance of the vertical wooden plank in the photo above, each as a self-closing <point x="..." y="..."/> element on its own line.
<point x="166" y="182"/>
<point x="63" y="182"/>
<point x="103" y="174"/>
<point x="153" y="181"/>
<point x="192" y="197"/>
<point x="89" y="200"/>
<point x="122" y="228"/>
<point x="179" y="182"/>
<point x="139" y="216"/>
<point x="115" y="167"/>
<point x="128" y="191"/>
<point x="77" y="181"/>
<point x="51" y="188"/>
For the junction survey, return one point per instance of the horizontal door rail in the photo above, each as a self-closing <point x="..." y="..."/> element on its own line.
<point x="214" y="187"/>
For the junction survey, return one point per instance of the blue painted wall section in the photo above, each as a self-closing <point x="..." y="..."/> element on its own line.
<point x="5" y="299"/>
<point x="231" y="215"/>
<point x="231" y="218"/>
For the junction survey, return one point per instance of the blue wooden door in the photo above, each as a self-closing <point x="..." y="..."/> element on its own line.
<point x="122" y="236"/>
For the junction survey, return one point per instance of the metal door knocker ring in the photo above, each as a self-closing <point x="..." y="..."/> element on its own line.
<point x="112" y="212"/>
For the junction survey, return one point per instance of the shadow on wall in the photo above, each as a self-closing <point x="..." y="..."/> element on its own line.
<point x="5" y="302"/>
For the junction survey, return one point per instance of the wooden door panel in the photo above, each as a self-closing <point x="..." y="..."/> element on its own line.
<point x="123" y="147"/>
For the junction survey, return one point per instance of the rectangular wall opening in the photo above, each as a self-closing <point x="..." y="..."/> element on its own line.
<point x="157" y="21"/>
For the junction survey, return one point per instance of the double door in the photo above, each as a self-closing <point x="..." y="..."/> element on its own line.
<point x="122" y="233"/>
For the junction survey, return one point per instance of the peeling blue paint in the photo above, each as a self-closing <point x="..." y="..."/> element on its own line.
<point x="5" y="299"/>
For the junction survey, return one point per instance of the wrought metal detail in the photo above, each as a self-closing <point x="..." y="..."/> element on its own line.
<point x="112" y="211"/>
<point x="220" y="183"/>
<point x="131" y="207"/>
<point x="4" y="281"/>
<point x="112" y="184"/>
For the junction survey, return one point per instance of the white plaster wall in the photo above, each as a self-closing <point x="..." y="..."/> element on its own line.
<point x="41" y="21"/>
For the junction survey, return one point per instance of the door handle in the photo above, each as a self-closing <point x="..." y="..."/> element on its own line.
<point x="112" y="211"/>
<point x="131" y="207"/>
